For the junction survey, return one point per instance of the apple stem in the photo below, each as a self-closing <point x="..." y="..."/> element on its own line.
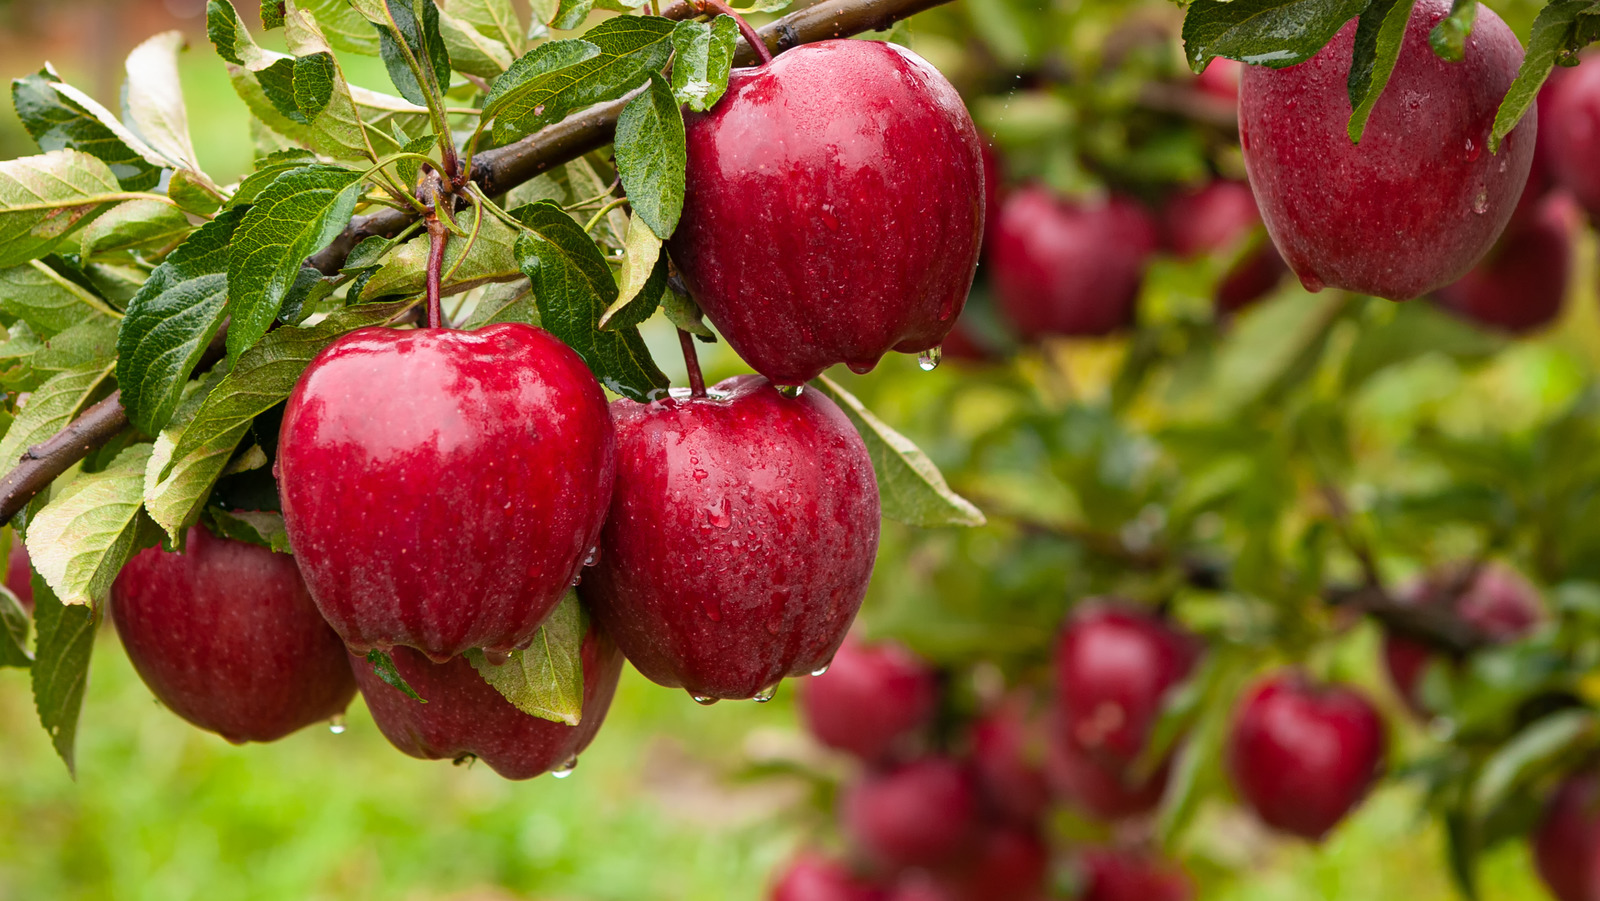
<point x="691" y="361"/>
<point x="750" y="35"/>
<point x="438" y="236"/>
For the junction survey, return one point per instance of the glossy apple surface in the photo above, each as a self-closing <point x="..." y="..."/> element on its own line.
<point x="1069" y="268"/>
<point x="467" y="716"/>
<point x="835" y="208"/>
<point x="1421" y="199"/>
<point x="1568" y="837"/>
<point x="1497" y="601"/>
<point x="1520" y="285"/>
<point x="812" y="877"/>
<point x="870" y="700"/>
<point x="442" y="489"/>
<point x="1574" y="132"/>
<point x="1216" y="219"/>
<point x="226" y="636"/>
<point x="923" y="814"/>
<point x="740" y="540"/>
<point x="1303" y="755"/>
<point x="19" y="573"/>
<point x="1111" y="874"/>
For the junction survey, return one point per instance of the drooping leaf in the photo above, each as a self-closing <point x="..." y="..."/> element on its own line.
<point x="45" y="299"/>
<point x="630" y="48"/>
<point x="1379" y="34"/>
<point x="13" y="631"/>
<point x="263" y="528"/>
<point x="51" y="407"/>
<point x="345" y="28"/>
<point x="154" y="99"/>
<point x="300" y="213"/>
<point x="642" y="259"/>
<point x="1449" y="38"/>
<point x="89" y="529"/>
<point x="175" y="501"/>
<point x="1276" y="33"/>
<point x="652" y="156"/>
<point x="59" y="122"/>
<point x="1563" y="27"/>
<point x="546" y="680"/>
<point x="571" y="13"/>
<point x="685" y="314"/>
<point x="45" y="198"/>
<point x="911" y="488"/>
<point x="426" y="50"/>
<point x="471" y="50"/>
<point x="573" y="287"/>
<point x="383" y="666"/>
<point x="505" y="302"/>
<point x="1563" y="736"/>
<point x="495" y="19"/>
<point x="61" y="667"/>
<point x="702" y="60"/>
<point x="134" y="225"/>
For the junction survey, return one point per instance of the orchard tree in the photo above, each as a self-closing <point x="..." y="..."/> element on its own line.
<point x="382" y="413"/>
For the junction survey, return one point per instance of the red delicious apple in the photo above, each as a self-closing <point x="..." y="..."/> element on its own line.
<point x="19" y="573"/>
<point x="1520" y="285"/>
<point x="1110" y="874"/>
<point x="1573" y="132"/>
<point x="443" y="489"/>
<point x="1008" y="754"/>
<point x="835" y="208"/>
<point x="467" y="716"/>
<point x="226" y="636"/>
<point x="1303" y="755"/>
<point x="1498" y="602"/>
<point x="870" y="700"/>
<point x="1568" y="837"/>
<point x="1069" y="268"/>
<point x="812" y="877"/>
<point x="1101" y="790"/>
<point x="1216" y="219"/>
<point x="740" y="540"/>
<point x="1421" y="199"/>
<point x="1115" y="665"/>
<point x="923" y="814"/>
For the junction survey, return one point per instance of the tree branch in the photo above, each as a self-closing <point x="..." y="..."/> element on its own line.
<point x="496" y="170"/>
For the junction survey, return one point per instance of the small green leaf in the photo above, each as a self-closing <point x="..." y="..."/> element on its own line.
<point x="175" y="501"/>
<point x="1449" y="38"/>
<point x="300" y="213"/>
<point x="573" y="287"/>
<point x="685" y="314"/>
<point x="530" y="73"/>
<point x="642" y="259"/>
<point x="13" y="631"/>
<point x="1276" y="33"/>
<point x="345" y="28"/>
<point x="1533" y="753"/>
<point x="652" y="157"/>
<point x="1379" y="35"/>
<point x="267" y="171"/>
<point x="546" y="680"/>
<point x="383" y="666"/>
<point x="61" y="667"/>
<point x="134" y="225"/>
<point x="911" y="487"/>
<point x="571" y="13"/>
<point x="702" y="60"/>
<point x="1557" y="32"/>
<point x="47" y="300"/>
<point x="89" y="529"/>
<point x="44" y="199"/>
<point x="489" y="259"/>
<point x="472" y="51"/>
<point x="495" y="19"/>
<point x="505" y="302"/>
<point x="59" y="122"/>
<point x="262" y="528"/>
<point x="51" y="407"/>
<point x="426" y="46"/>
<point x="154" y="100"/>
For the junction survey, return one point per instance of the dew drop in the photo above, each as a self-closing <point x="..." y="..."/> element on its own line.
<point x="1480" y="202"/>
<point x="592" y="557"/>
<point x="496" y="658"/>
<point x="703" y="700"/>
<point x="565" y="768"/>
<point x="929" y="359"/>
<point x="701" y="475"/>
<point x="822" y="670"/>
<point x="720" y="514"/>
<point x="1474" y="150"/>
<point x="577" y="579"/>
<point x="1311" y="283"/>
<point x="336" y="724"/>
<point x="766" y="694"/>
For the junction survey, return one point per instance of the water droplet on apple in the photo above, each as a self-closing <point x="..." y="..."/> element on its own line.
<point x="336" y="724"/>
<point x="1473" y="151"/>
<point x="496" y="658"/>
<point x="565" y="768"/>
<point x="702" y="700"/>
<point x="929" y="359"/>
<point x="766" y="694"/>
<point x="577" y="579"/>
<point x="860" y="368"/>
<point x="593" y="556"/>
<point x="1480" y="201"/>
<point x="822" y="670"/>
<point x="1311" y="283"/>
<point x="720" y="514"/>
<point x="701" y="475"/>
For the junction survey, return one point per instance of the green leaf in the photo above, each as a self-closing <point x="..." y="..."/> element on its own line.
<point x="505" y="302"/>
<point x="702" y="60"/>
<point x="175" y="501"/>
<point x="300" y="213"/>
<point x="1558" y="31"/>
<point x="1276" y="33"/>
<point x="912" y="488"/>
<point x="89" y="529"/>
<point x="685" y="314"/>
<point x="426" y="49"/>
<point x="630" y="48"/>
<point x="266" y="373"/>
<point x="383" y="666"/>
<point x="61" y="667"/>
<point x="44" y="199"/>
<point x="530" y="74"/>
<point x="546" y="680"/>
<point x="1449" y="38"/>
<point x="45" y="299"/>
<point x="59" y="122"/>
<point x="267" y="171"/>
<point x="571" y="13"/>
<point x="495" y="19"/>
<point x="471" y="51"/>
<point x="13" y="631"/>
<point x="1381" y="31"/>
<point x="51" y="407"/>
<point x="262" y="528"/>
<point x="90" y="342"/>
<point x="642" y="260"/>
<point x="489" y="259"/>
<point x="345" y="28"/>
<point x="134" y="225"/>
<point x="573" y="287"/>
<point x="1535" y="752"/>
<point x="652" y="157"/>
<point x="154" y="99"/>
<point x="171" y="321"/>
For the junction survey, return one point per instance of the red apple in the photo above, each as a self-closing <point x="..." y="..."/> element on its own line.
<point x="1008" y="863"/>
<point x="870" y="700"/>
<point x="19" y="573"/>
<point x="740" y="540"/>
<point x="1221" y="78"/>
<point x="1498" y="602"/>
<point x="1303" y="755"/>
<point x="1568" y="837"/>
<point x="1520" y="285"/>
<point x="466" y="716"/>
<point x="1573" y="132"/>
<point x="835" y="208"/>
<point x="1421" y="199"/>
<point x="442" y="489"/>
<point x="1103" y="791"/>
<point x="1114" y="875"/>
<point x="226" y="636"/>
<point x="1115" y="665"/>
<point x="812" y="877"/>
<point x="1217" y="218"/>
<point x="1069" y="268"/>
<point x="923" y="814"/>
<point x="1008" y="754"/>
